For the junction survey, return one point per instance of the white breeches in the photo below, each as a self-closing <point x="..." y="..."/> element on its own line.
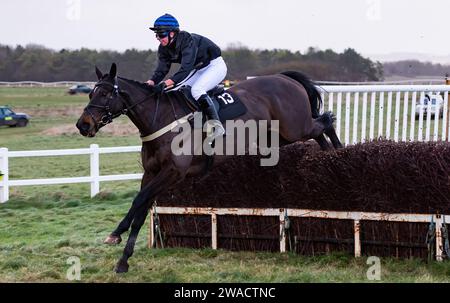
<point x="207" y="78"/>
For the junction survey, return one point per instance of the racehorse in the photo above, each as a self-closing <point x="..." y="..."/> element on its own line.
<point x="290" y="98"/>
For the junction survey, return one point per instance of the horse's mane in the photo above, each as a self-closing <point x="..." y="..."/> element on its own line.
<point x="144" y="86"/>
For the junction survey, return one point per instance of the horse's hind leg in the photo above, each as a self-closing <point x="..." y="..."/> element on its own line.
<point x="331" y="133"/>
<point x="319" y="126"/>
<point x="324" y="124"/>
<point x="322" y="141"/>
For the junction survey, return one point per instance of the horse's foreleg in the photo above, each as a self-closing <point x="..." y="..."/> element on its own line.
<point x="124" y="225"/>
<point x="162" y="181"/>
<point x="139" y="219"/>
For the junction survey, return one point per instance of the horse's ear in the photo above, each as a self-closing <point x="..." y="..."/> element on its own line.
<point x="113" y="71"/>
<point x="98" y="72"/>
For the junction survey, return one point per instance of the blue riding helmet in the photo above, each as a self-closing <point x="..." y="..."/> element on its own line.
<point x="165" y="23"/>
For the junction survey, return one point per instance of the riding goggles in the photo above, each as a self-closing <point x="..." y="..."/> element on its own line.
<point x="162" y="35"/>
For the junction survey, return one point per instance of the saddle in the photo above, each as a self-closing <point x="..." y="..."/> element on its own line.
<point x="192" y="103"/>
<point x="227" y="104"/>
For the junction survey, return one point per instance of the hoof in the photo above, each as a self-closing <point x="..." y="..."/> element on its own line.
<point x="121" y="267"/>
<point x="112" y="240"/>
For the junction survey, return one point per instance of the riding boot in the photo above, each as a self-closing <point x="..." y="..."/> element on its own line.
<point x="207" y="106"/>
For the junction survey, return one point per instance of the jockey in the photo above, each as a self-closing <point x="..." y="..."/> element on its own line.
<point x="202" y="66"/>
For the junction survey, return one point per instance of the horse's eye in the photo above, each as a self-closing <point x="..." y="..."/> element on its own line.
<point x="104" y="94"/>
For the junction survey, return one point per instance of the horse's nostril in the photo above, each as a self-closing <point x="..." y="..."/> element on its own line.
<point x="83" y="126"/>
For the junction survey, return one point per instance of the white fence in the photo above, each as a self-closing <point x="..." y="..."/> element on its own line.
<point x="94" y="178"/>
<point x="91" y="83"/>
<point x="414" y="81"/>
<point x="363" y="113"/>
<point x="44" y="84"/>
<point x="367" y="112"/>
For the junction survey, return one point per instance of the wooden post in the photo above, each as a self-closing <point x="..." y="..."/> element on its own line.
<point x="214" y="231"/>
<point x="447" y="82"/>
<point x="95" y="170"/>
<point x="357" y="228"/>
<point x="282" y="233"/>
<point x="439" y="242"/>
<point x="151" y="234"/>
<point x="4" y="178"/>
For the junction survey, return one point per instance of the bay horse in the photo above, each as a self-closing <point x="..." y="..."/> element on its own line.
<point x="289" y="97"/>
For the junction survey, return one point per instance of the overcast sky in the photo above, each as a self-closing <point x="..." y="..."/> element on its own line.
<point x="369" y="26"/>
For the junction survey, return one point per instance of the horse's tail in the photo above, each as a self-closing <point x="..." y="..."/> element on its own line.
<point x="313" y="94"/>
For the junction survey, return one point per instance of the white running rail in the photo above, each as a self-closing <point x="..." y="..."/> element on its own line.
<point x="367" y="112"/>
<point x="94" y="178"/>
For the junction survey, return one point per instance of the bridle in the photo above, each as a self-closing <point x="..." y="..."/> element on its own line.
<point x="125" y="99"/>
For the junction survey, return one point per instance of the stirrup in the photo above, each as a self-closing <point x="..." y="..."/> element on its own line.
<point x="219" y="130"/>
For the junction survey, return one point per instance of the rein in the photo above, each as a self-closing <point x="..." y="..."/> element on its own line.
<point x="126" y="100"/>
<point x="168" y="127"/>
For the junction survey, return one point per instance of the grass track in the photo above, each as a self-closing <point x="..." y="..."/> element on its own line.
<point x="38" y="234"/>
<point x="42" y="226"/>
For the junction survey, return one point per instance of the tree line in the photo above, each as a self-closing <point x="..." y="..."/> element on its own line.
<point x="38" y="63"/>
<point x="415" y="68"/>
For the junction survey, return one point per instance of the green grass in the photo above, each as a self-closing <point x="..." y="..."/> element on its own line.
<point x="42" y="226"/>
<point x="54" y="115"/>
<point x="39" y="233"/>
<point x="35" y="98"/>
<point x="50" y="108"/>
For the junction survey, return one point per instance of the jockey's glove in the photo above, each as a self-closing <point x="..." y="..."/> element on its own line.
<point x="158" y="89"/>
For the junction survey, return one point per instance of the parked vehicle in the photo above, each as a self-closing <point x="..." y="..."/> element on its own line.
<point x="10" y="118"/>
<point x="434" y="103"/>
<point x="79" y="88"/>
